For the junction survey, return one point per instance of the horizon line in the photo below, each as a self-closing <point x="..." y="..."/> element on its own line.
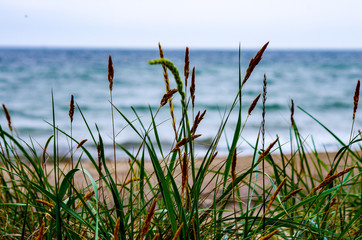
<point x="176" y="48"/>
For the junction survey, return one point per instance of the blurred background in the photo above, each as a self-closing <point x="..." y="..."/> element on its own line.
<point x="314" y="57"/>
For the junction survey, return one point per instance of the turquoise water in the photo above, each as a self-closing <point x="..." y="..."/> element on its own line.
<point x="321" y="82"/>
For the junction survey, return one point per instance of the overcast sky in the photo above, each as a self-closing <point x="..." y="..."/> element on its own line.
<point x="297" y="24"/>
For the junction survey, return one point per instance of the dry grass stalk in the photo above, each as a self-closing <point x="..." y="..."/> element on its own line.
<point x="177" y="234"/>
<point x="328" y="180"/>
<point x="275" y="195"/>
<point x="253" y="62"/>
<point x="197" y="121"/>
<point x="116" y="229"/>
<point x="148" y="219"/>
<point x="192" y="87"/>
<point x="292" y="113"/>
<point x="165" y="74"/>
<point x="156" y="237"/>
<point x="81" y="143"/>
<point x="184" y="172"/>
<point x="268" y="236"/>
<point x="286" y="198"/>
<point x="356" y="98"/>
<point x="168" y="88"/>
<point x="253" y="104"/>
<point x="8" y="118"/>
<point x="187" y="65"/>
<point x="41" y="232"/>
<point x="71" y="108"/>
<point x="233" y="166"/>
<point x="167" y="96"/>
<point x="110" y="72"/>
<point x="266" y="152"/>
<point x="184" y="141"/>
<point x="45" y="203"/>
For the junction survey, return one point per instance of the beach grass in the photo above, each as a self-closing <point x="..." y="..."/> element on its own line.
<point x="169" y="193"/>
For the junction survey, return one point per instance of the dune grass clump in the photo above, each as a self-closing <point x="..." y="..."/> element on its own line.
<point x="278" y="196"/>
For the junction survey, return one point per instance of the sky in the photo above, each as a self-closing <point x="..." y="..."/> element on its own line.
<point x="287" y="24"/>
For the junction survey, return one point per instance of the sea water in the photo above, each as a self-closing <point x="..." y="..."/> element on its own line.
<point x="320" y="82"/>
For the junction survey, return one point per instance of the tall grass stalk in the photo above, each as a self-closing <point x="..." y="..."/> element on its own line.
<point x="168" y="192"/>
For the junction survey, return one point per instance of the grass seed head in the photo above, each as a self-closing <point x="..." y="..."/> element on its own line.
<point x="233" y="166"/>
<point x="116" y="229"/>
<point x="268" y="236"/>
<point x="187" y="65"/>
<point x="184" y="172"/>
<point x="253" y="104"/>
<point x="290" y="195"/>
<point x="253" y="62"/>
<point x="266" y="152"/>
<point x="167" y="96"/>
<point x="110" y="72"/>
<point x="177" y="234"/>
<point x="148" y="219"/>
<point x="292" y="113"/>
<point x="71" y="108"/>
<point x="81" y="143"/>
<point x="156" y="237"/>
<point x="184" y="141"/>
<point x="197" y="121"/>
<point x="275" y="194"/>
<point x="8" y="118"/>
<point x="41" y="232"/>
<point x="356" y="99"/>
<point x="192" y="87"/>
<point x="45" y="203"/>
<point x="328" y="180"/>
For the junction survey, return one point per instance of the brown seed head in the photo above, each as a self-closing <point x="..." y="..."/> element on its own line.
<point x="192" y="87"/>
<point x="197" y="121"/>
<point x="268" y="236"/>
<point x="148" y="219"/>
<point x="156" y="236"/>
<point x="177" y="234"/>
<point x="328" y="180"/>
<point x="8" y="118"/>
<point x="233" y="166"/>
<point x="71" y="108"/>
<point x="41" y="232"/>
<point x="187" y="65"/>
<point x="333" y="201"/>
<point x="86" y="197"/>
<point x="45" y="203"/>
<point x="253" y="62"/>
<point x="184" y="172"/>
<point x="275" y="194"/>
<point x="356" y="98"/>
<point x="167" y="96"/>
<point x="116" y="229"/>
<point x="81" y="143"/>
<point x="184" y="141"/>
<point x="292" y="112"/>
<point x="253" y="104"/>
<point x="266" y="152"/>
<point x="110" y="72"/>
<point x="286" y="198"/>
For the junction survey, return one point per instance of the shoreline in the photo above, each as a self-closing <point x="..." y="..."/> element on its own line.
<point x="243" y="163"/>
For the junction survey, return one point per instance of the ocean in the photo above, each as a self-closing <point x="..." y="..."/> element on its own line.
<point x="320" y="82"/>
